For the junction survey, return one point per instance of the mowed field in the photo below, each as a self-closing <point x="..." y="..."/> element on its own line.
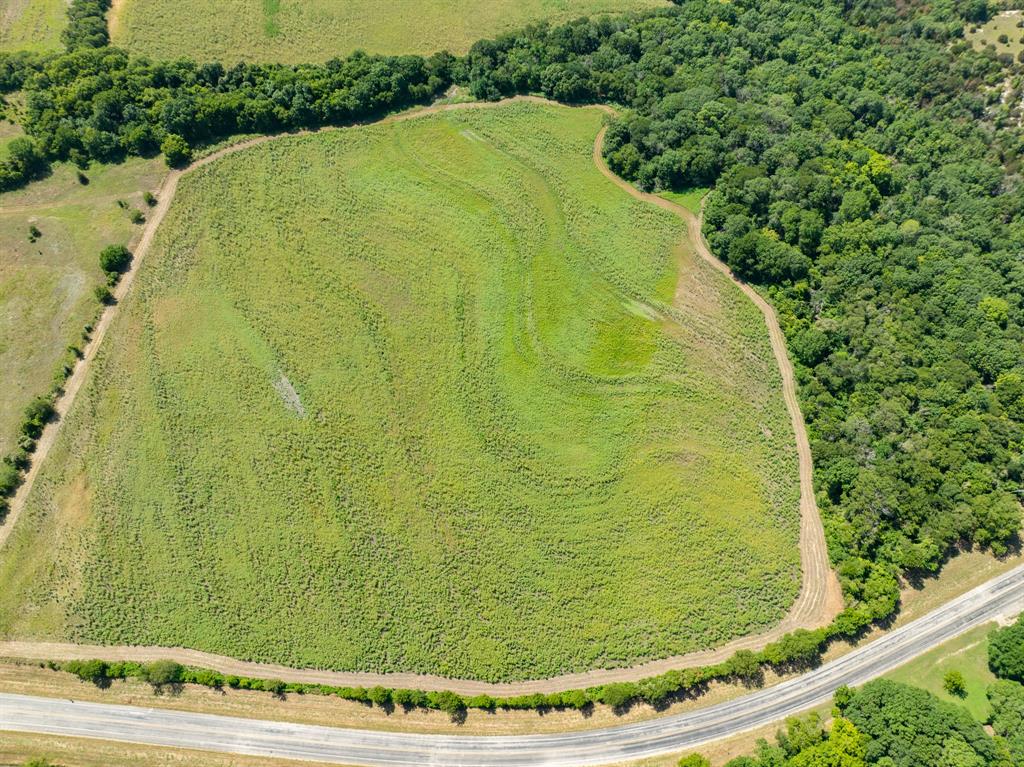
<point x="46" y="286"/>
<point x="430" y="396"/>
<point x="298" y="31"/>
<point x="33" y="25"/>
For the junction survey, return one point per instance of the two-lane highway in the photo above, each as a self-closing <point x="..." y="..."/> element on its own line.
<point x="1000" y="597"/>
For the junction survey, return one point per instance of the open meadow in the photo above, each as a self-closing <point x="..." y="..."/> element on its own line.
<point x="47" y="282"/>
<point x="32" y="25"/>
<point x="430" y="396"/>
<point x="294" y="32"/>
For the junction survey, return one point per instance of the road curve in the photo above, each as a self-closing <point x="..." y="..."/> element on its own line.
<point x="1000" y="597"/>
<point x="819" y="600"/>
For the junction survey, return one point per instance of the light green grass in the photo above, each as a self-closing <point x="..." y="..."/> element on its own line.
<point x="299" y="31"/>
<point x="501" y="458"/>
<point x="967" y="654"/>
<point x="33" y="25"/>
<point x="46" y="287"/>
<point x="1001" y="24"/>
<point x="689" y="198"/>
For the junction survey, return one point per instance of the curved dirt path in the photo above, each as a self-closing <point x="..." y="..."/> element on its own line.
<point x="820" y="597"/>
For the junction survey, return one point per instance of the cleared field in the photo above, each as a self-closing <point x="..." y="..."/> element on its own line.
<point x="33" y="25"/>
<point x="298" y="31"/>
<point x="1009" y="24"/>
<point x="434" y="396"/>
<point x="46" y="286"/>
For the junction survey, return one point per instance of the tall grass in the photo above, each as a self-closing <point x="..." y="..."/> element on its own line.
<point x="316" y="30"/>
<point x="420" y="397"/>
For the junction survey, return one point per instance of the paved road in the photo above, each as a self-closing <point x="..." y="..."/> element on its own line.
<point x="1000" y="597"/>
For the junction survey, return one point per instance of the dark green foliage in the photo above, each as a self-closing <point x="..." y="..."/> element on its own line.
<point x="115" y="259"/>
<point x="912" y="727"/>
<point x="1006" y="651"/>
<point x="95" y="671"/>
<point x="1007" y="700"/>
<point x="37" y="415"/>
<point x="25" y="161"/>
<point x="87" y="24"/>
<point x="161" y="672"/>
<point x="149" y="198"/>
<point x="176" y="150"/>
<point x="97" y="103"/>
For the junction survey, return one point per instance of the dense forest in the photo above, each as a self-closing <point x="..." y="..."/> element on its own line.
<point x="864" y="174"/>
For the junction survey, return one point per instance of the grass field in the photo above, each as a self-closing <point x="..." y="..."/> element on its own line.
<point x="1005" y="23"/>
<point x="46" y="287"/>
<point x="967" y="654"/>
<point x="298" y="31"/>
<point x="33" y="25"/>
<point x="413" y="397"/>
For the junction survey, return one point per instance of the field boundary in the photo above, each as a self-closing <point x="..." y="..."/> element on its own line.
<point x="819" y="601"/>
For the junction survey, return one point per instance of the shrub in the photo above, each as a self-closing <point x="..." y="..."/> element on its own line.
<point x="379" y="696"/>
<point x="446" y="700"/>
<point x="37" y="415"/>
<point x="955" y="684"/>
<point x="136" y="216"/>
<point x="34" y="233"/>
<point x="161" y="672"/>
<point x="618" y="695"/>
<point x="149" y="198"/>
<point x="176" y="151"/>
<point x="94" y="671"/>
<point x="115" y="259"/>
<point x="103" y="295"/>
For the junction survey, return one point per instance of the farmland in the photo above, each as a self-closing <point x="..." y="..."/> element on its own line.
<point x="317" y="30"/>
<point x="46" y="286"/>
<point x="433" y="396"/>
<point x="32" y="25"/>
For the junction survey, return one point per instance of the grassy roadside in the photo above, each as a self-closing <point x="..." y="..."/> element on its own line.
<point x="967" y="654"/>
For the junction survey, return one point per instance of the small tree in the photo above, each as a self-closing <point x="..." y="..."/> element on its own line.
<point x="176" y="150"/>
<point x="955" y="684"/>
<point x="115" y="259"/>
<point x="161" y="672"/>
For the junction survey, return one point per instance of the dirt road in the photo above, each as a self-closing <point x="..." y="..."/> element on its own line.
<point x="820" y="596"/>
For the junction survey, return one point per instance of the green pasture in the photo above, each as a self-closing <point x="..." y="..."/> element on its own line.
<point x="967" y="654"/>
<point x="298" y="31"/>
<point x="32" y="25"/>
<point x="46" y="286"/>
<point x="1008" y="23"/>
<point x="433" y="396"/>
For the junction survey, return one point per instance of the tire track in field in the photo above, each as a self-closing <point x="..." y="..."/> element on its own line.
<point x="820" y="597"/>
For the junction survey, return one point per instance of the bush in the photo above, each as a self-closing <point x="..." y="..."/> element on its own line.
<point x="446" y="700"/>
<point x="115" y="259"/>
<point x="39" y="413"/>
<point x="136" y="216"/>
<point x="94" y="671"/>
<point x="176" y="151"/>
<point x="103" y="295"/>
<point x="161" y="672"/>
<point x="149" y="198"/>
<point x="955" y="684"/>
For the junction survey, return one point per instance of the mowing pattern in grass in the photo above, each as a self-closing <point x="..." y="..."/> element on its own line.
<point x="408" y="398"/>
<point x="46" y="286"/>
<point x="297" y="31"/>
<point x="33" y="25"/>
